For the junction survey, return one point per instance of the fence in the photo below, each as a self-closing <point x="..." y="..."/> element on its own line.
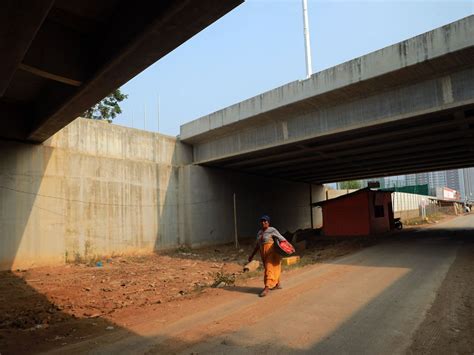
<point x="407" y="206"/>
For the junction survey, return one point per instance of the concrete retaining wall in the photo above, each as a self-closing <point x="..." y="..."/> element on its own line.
<point x="95" y="189"/>
<point x="208" y="204"/>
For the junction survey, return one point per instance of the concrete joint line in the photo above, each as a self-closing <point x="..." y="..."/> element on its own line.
<point x="447" y="90"/>
<point x="284" y="127"/>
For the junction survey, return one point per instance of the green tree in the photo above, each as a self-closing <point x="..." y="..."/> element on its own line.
<point x="350" y="185"/>
<point x="107" y="108"/>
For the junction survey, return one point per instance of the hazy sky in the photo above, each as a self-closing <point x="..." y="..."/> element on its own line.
<point x="259" y="46"/>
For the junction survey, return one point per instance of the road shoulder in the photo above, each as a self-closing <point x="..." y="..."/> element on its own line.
<point x="449" y="324"/>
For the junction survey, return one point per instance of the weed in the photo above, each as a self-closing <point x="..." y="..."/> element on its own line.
<point x="183" y="249"/>
<point x="226" y="279"/>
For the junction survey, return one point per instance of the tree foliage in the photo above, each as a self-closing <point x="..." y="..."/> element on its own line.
<point x="350" y="185"/>
<point x="107" y="108"/>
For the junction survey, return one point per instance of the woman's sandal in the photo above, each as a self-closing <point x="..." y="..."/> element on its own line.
<point x="264" y="292"/>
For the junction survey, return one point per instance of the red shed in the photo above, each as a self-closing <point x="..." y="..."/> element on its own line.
<point x="362" y="212"/>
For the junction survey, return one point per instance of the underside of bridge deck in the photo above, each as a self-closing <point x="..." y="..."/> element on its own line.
<point x="425" y="143"/>
<point x="60" y="57"/>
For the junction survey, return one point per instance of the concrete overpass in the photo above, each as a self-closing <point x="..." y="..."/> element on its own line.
<point x="405" y="108"/>
<point x="60" y="57"/>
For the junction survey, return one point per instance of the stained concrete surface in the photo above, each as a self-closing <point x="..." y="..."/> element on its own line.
<point x="421" y="50"/>
<point x="96" y="189"/>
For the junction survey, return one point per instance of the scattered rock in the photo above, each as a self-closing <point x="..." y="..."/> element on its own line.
<point x="109" y="328"/>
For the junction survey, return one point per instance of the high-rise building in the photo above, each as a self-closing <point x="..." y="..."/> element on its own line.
<point x="417" y="179"/>
<point x="461" y="180"/>
<point x="453" y="179"/>
<point x="466" y="178"/>
<point x="437" y="179"/>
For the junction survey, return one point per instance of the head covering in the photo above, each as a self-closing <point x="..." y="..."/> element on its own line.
<point x="265" y="218"/>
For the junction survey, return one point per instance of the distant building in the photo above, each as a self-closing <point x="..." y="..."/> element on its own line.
<point x="461" y="180"/>
<point x="466" y="179"/>
<point x="453" y="179"/>
<point x="417" y="179"/>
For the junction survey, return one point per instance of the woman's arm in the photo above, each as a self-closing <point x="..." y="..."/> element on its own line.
<point x="277" y="234"/>
<point x="253" y="253"/>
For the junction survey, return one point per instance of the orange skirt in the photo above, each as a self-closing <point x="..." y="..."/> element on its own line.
<point x="272" y="263"/>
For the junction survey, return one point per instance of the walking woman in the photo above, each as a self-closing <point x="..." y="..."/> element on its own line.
<point x="270" y="257"/>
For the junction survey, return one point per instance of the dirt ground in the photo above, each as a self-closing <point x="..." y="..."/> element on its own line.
<point x="449" y="325"/>
<point x="47" y="307"/>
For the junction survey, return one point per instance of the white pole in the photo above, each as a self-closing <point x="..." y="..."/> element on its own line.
<point x="144" y="117"/>
<point x="158" y="115"/>
<point x="235" y="223"/>
<point x="309" y="70"/>
<point x="132" y="121"/>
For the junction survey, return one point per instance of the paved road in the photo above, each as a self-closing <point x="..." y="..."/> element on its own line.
<point x="370" y="302"/>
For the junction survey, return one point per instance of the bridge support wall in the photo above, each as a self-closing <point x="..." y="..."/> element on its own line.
<point x="97" y="189"/>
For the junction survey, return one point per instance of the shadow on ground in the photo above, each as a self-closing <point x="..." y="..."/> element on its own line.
<point x="32" y="323"/>
<point x="447" y="328"/>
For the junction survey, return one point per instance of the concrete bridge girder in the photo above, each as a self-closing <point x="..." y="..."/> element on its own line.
<point x="408" y="102"/>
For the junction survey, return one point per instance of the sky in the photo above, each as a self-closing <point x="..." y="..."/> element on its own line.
<point x="260" y="45"/>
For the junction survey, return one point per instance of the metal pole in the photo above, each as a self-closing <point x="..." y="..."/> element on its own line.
<point x="309" y="69"/>
<point x="235" y="223"/>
